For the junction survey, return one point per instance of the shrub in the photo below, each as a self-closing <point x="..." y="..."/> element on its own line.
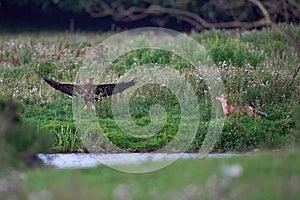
<point x="19" y="139"/>
<point x="234" y="52"/>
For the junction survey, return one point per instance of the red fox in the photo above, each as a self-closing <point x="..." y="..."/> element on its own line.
<point x="229" y="108"/>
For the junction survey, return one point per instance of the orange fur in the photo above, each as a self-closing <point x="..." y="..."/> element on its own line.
<point x="230" y="109"/>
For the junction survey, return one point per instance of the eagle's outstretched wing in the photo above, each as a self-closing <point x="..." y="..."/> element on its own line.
<point x="64" y="87"/>
<point x="108" y="89"/>
<point x="102" y="90"/>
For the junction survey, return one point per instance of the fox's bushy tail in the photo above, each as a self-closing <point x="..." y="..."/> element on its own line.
<point x="260" y="113"/>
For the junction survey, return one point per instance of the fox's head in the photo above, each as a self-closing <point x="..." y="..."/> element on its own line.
<point x="221" y="98"/>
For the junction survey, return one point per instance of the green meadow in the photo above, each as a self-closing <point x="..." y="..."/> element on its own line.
<point x="258" y="68"/>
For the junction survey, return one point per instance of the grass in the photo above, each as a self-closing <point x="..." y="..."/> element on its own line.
<point x="258" y="176"/>
<point x="263" y="74"/>
<point x="253" y="72"/>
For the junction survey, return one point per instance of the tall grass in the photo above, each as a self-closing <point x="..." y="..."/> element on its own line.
<point x="257" y="68"/>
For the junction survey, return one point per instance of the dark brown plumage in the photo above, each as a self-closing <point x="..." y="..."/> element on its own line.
<point x="89" y="91"/>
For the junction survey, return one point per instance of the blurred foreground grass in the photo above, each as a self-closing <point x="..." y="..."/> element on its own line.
<point x="268" y="175"/>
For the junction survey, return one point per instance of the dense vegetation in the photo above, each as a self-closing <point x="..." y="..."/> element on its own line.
<point x="257" y="67"/>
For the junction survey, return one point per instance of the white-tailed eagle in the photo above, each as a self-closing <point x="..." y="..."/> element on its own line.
<point x="89" y="91"/>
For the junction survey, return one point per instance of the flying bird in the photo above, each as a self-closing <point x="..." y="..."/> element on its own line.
<point x="89" y="91"/>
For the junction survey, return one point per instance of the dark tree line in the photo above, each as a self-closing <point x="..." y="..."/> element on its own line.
<point x="198" y="13"/>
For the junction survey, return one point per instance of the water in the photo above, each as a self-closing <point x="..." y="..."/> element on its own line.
<point x="81" y="160"/>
